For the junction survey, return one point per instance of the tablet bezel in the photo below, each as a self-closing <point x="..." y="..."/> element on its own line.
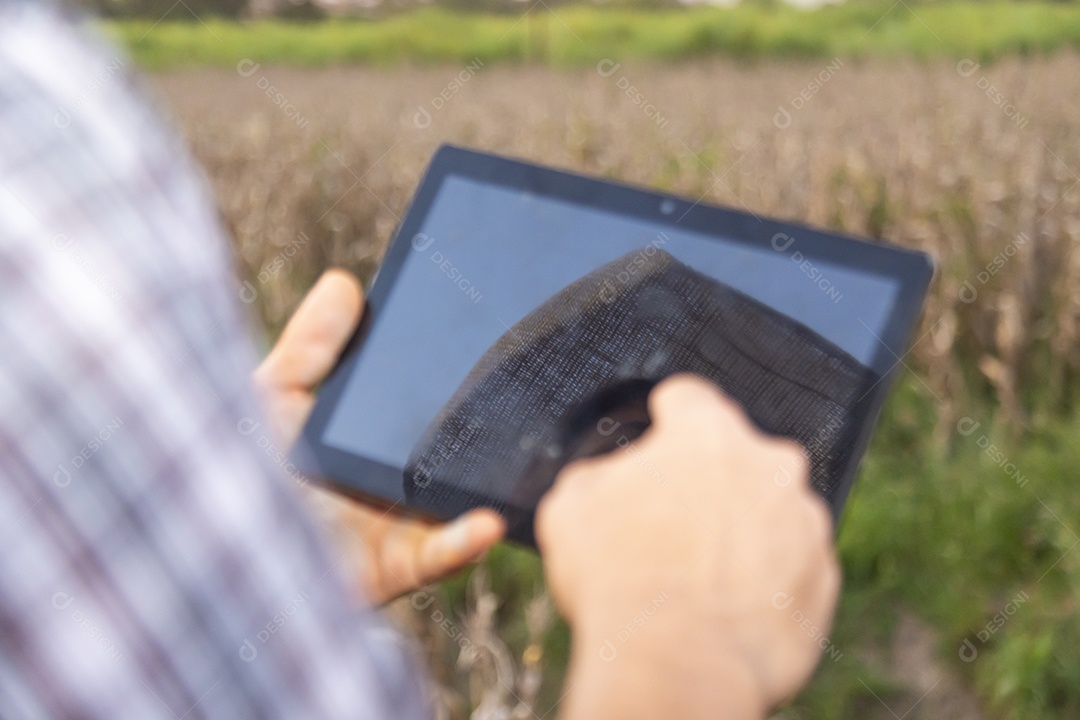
<point x="362" y="477"/>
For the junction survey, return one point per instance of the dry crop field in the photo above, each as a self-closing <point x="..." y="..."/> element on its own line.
<point x="977" y="164"/>
<point x="320" y="164"/>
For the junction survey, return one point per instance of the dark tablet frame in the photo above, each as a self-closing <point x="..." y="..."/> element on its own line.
<point x="362" y="477"/>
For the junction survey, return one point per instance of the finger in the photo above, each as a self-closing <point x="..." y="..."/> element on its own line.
<point x="681" y="399"/>
<point x="448" y="547"/>
<point x="316" y="333"/>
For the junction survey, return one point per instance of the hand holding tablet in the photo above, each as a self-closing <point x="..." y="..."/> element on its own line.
<point x="521" y="315"/>
<point x="396" y="553"/>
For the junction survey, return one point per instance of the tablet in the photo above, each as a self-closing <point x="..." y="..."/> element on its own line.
<point x="522" y="314"/>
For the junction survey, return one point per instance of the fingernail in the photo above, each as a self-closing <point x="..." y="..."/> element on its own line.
<point x="455" y="537"/>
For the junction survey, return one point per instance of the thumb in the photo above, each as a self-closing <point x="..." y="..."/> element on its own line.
<point x="316" y="333"/>
<point x="460" y="542"/>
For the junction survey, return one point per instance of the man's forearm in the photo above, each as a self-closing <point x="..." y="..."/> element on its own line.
<point x="658" y="672"/>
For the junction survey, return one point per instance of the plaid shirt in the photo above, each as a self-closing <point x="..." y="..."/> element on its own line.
<point x="154" y="559"/>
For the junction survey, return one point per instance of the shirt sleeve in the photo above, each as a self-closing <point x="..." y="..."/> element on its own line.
<point x="156" y="561"/>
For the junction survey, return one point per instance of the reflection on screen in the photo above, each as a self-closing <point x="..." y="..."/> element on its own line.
<point x="487" y="256"/>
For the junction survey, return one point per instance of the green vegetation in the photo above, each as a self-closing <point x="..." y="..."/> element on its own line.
<point x="976" y="538"/>
<point x="581" y="35"/>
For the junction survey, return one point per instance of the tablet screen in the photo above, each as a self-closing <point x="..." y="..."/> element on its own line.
<point x="487" y="255"/>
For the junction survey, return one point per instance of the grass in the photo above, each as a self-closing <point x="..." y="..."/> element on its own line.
<point x="583" y="35"/>
<point x="925" y="522"/>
